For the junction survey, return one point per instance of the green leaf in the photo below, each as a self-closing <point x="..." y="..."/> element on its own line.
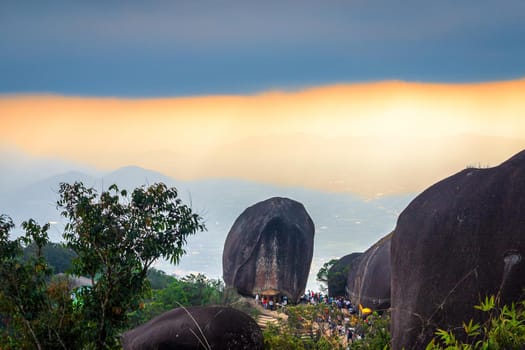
<point x="487" y="305"/>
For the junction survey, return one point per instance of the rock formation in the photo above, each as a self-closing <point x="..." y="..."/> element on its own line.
<point x="368" y="280"/>
<point x="338" y="274"/>
<point x="270" y="246"/>
<point x="457" y="242"/>
<point x="220" y="327"/>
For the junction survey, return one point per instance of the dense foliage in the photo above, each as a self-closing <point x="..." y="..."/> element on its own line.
<point x="36" y="313"/>
<point x="114" y="239"/>
<point x="59" y="257"/>
<point x="191" y="290"/>
<point x="158" y="279"/>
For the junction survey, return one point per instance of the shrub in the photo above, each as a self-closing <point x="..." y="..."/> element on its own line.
<point x="375" y="332"/>
<point x="503" y="329"/>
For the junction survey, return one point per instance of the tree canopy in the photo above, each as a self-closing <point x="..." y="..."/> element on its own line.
<point x="116" y="238"/>
<point x="59" y="258"/>
<point x="113" y="239"/>
<point x="35" y="314"/>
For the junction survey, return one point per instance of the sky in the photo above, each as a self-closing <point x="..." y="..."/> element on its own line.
<point x="367" y="97"/>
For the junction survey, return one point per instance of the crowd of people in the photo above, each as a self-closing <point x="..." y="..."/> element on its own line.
<point x="315" y="298"/>
<point x="342" y="324"/>
<point x="310" y="297"/>
<point x="271" y="302"/>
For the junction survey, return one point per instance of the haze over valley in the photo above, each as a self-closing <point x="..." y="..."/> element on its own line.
<point x="344" y="222"/>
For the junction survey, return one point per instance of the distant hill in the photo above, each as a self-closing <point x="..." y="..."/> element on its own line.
<point x="344" y="223"/>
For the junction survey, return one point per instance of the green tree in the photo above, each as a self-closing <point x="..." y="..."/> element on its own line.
<point x="191" y="290"/>
<point x="158" y="279"/>
<point x="35" y="313"/>
<point x="59" y="258"/>
<point x="324" y="274"/>
<point x="202" y="290"/>
<point x="279" y="338"/>
<point x="116" y="238"/>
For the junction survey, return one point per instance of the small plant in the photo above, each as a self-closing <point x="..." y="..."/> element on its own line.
<point x="503" y="329"/>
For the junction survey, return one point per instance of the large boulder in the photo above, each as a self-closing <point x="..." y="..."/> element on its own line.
<point x="270" y="247"/>
<point x="368" y="280"/>
<point x="457" y="242"/>
<point x="338" y="274"/>
<point x="194" y="328"/>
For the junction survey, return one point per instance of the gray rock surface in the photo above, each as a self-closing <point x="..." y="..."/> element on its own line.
<point x="368" y="280"/>
<point x="460" y="240"/>
<point x="270" y="246"/>
<point x="221" y="327"/>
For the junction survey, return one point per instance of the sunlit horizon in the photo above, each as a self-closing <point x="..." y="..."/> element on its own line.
<point x="366" y="138"/>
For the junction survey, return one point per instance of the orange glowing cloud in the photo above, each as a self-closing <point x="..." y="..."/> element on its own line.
<point x="366" y="138"/>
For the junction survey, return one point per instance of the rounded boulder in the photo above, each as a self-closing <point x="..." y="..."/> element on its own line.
<point x="270" y="247"/>
<point x="198" y="327"/>
<point x="459" y="241"/>
<point x="368" y="281"/>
